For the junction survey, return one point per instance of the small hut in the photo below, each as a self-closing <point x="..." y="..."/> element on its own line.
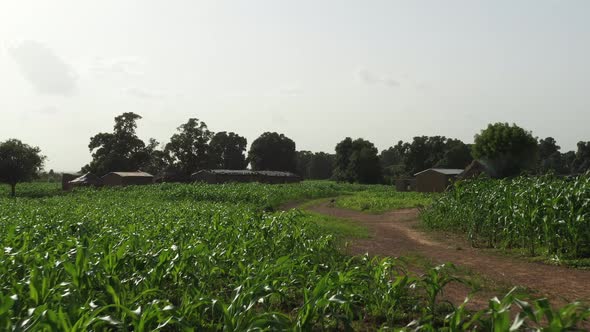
<point x="436" y="179"/>
<point x="475" y="169"/>
<point x="65" y="180"/>
<point x="86" y="180"/>
<point x="405" y="184"/>
<point x="227" y="175"/>
<point x="213" y="176"/>
<point x="274" y="177"/>
<point x="127" y="179"/>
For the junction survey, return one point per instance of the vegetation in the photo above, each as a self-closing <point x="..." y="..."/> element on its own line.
<point x="357" y="161"/>
<point x="273" y="152"/>
<point x="315" y="166"/>
<point x="506" y="150"/>
<point x="381" y="199"/>
<point x="19" y="162"/>
<point x="544" y="215"/>
<point x="227" y="151"/>
<point x="207" y="257"/>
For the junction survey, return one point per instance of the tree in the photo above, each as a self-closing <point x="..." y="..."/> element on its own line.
<point x="274" y="152"/>
<point x="581" y="162"/>
<point x="120" y="150"/>
<point x="357" y="161"/>
<point x="456" y="155"/>
<point x="505" y="149"/>
<point x="550" y="159"/>
<point x="19" y="162"/>
<point x="321" y="166"/>
<point x="304" y="163"/>
<point x="228" y="151"/>
<point x="189" y="148"/>
<point x="343" y="153"/>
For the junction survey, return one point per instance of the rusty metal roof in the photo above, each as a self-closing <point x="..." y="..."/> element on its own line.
<point x="445" y="171"/>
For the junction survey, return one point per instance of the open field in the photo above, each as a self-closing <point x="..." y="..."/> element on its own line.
<point x="211" y="257"/>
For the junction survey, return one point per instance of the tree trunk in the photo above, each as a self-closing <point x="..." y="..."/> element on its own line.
<point x="13" y="189"/>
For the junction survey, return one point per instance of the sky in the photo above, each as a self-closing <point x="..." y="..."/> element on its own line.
<point x="317" y="71"/>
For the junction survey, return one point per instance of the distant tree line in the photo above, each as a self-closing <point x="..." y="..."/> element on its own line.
<point x="192" y="148"/>
<point x="505" y="150"/>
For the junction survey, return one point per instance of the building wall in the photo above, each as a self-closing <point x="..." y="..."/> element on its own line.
<point x="405" y="184"/>
<point x="117" y="180"/>
<point x="431" y="181"/>
<point x="65" y="179"/>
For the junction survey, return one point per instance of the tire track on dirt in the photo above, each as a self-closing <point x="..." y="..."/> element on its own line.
<point x="394" y="234"/>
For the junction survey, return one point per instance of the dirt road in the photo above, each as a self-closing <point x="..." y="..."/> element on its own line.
<point x="395" y="234"/>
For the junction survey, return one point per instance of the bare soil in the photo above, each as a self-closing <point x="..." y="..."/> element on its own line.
<point x="395" y="234"/>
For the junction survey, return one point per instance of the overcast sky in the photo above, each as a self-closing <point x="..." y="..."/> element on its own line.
<point x="317" y="71"/>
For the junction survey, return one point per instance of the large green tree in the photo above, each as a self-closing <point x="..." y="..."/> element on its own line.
<point x="120" y="150"/>
<point x="274" y="152"/>
<point x="506" y="150"/>
<point x="550" y="159"/>
<point x="581" y="162"/>
<point x="321" y="166"/>
<point x="357" y="161"/>
<point x="19" y="162"/>
<point x="189" y="149"/>
<point x="303" y="163"/>
<point x="227" y="151"/>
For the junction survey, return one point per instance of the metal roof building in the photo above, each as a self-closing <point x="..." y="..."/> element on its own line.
<point x="127" y="178"/>
<point x="436" y="179"/>
<point x="227" y="175"/>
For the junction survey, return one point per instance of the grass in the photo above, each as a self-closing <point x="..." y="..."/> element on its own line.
<point x="381" y="199"/>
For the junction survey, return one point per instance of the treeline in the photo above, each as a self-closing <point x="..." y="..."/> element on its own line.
<point x="504" y="150"/>
<point x="192" y="148"/>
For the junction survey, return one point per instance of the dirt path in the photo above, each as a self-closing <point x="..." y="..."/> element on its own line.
<point x="394" y="234"/>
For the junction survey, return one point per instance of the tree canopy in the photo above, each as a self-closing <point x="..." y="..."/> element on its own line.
<point x="120" y="150"/>
<point x="357" y="161"/>
<point x="274" y="152"/>
<point x="228" y="151"/>
<point x="189" y="148"/>
<point x="505" y="149"/>
<point x="19" y="162"/>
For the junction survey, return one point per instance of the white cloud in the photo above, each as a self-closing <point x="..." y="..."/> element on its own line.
<point x="371" y="78"/>
<point x="46" y="71"/>
<point x="144" y="94"/>
<point x="127" y="65"/>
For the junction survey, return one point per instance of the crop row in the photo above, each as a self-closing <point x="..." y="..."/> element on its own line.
<point x="544" y="215"/>
<point x="205" y="257"/>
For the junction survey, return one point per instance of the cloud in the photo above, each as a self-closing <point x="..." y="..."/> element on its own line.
<point x="144" y="94"/>
<point x="128" y="65"/>
<point x="371" y="78"/>
<point x="46" y="71"/>
<point x="290" y="92"/>
<point x="48" y="110"/>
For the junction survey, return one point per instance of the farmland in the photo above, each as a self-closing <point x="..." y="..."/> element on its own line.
<point x="546" y="216"/>
<point x="212" y="257"/>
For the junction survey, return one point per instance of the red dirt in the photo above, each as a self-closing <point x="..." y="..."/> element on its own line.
<point x="394" y="234"/>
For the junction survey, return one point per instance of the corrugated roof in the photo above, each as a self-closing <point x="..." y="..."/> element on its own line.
<point x="446" y="171"/>
<point x="246" y="172"/>
<point x="277" y="173"/>
<point x="132" y="174"/>
<point x="86" y="178"/>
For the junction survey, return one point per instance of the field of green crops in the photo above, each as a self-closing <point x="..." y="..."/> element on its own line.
<point x="213" y="257"/>
<point x="383" y="198"/>
<point x="546" y="215"/>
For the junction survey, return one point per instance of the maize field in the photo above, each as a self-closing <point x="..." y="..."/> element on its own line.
<point x="176" y="257"/>
<point x="544" y="215"/>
